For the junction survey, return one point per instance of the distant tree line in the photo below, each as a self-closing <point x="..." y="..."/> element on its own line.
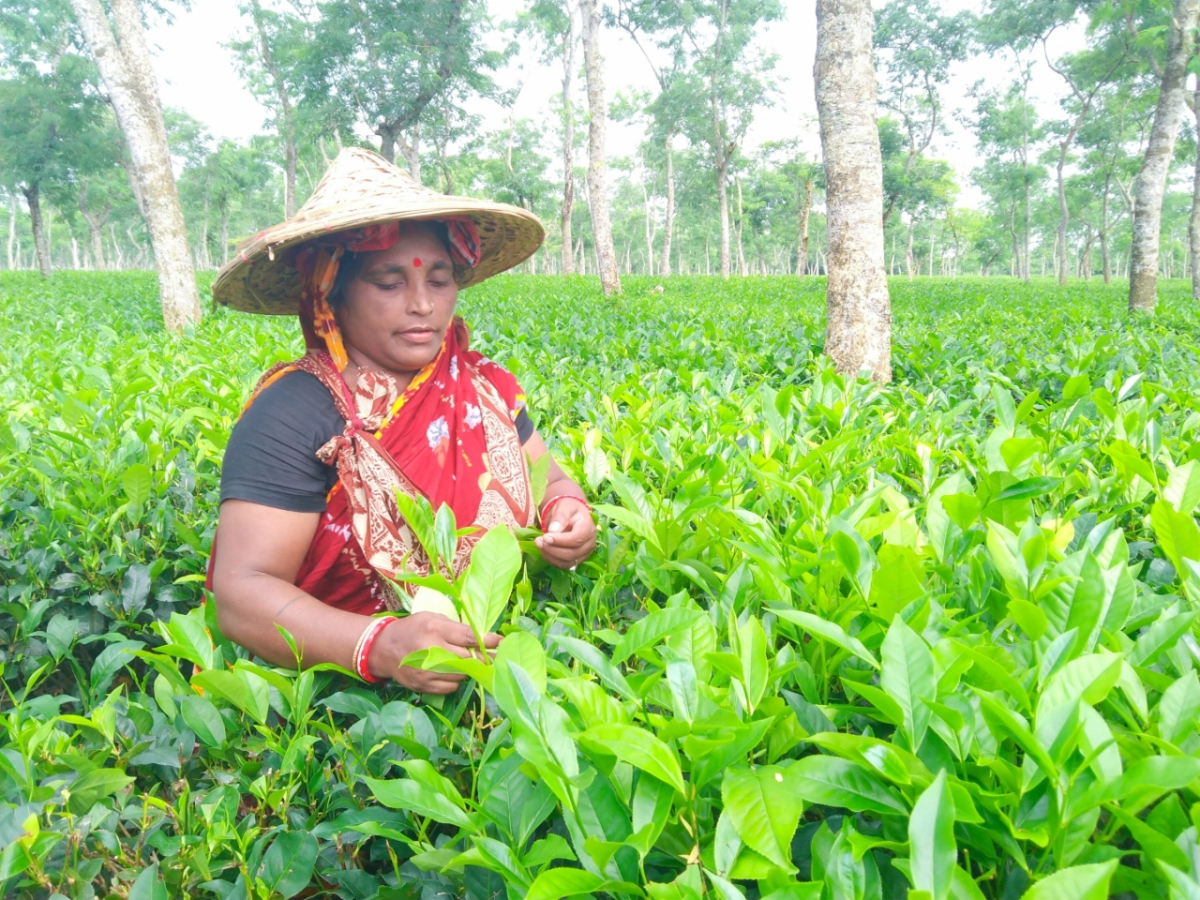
<point x="409" y="76"/>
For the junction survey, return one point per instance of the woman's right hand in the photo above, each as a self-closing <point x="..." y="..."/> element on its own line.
<point x="421" y="631"/>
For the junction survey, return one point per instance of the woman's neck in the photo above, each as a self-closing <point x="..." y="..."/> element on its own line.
<point x="360" y="363"/>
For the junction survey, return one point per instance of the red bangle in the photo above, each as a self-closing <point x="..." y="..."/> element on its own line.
<point x="363" y="651"/>
<point x="549" y="503"/>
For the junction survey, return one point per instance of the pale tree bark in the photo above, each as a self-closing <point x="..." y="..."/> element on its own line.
<point x="1104" y="256"/>
<point x="95" y="223"/>
<point x="908" y="253"/>
<point x="858" y="331"/>
<point x="287" y="123"/>
<point x="568" y="150"/>
<point x="805" y="209"/>
<point x="1085" y="105"/>
<point x="741" y="216"/>
<point x="41" y="243"/>
<point x="12" y="230"/>
<point x="650" y="229"/>
<point x="1194" y="224"/>
<point x="664" y="264"/>
<point x="723" y="204"/>
<point x="128" y="75"/>
<point x="1152" y="179"/>
<point x="412" y="152"/>
<point x="606" y="256"/>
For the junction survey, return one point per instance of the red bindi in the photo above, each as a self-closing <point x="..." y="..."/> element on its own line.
<point x="417" y="262"/>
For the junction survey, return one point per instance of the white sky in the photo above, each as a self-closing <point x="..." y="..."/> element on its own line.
<point x="198" y="75"/>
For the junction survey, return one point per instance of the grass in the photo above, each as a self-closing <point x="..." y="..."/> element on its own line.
<point x="839" y="640"/>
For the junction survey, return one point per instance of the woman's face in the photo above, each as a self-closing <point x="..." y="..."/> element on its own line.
<point x="396" y="312"/>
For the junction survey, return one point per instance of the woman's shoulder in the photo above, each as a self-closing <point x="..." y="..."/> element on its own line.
<point x="271" y="456"/>
<point x="296" y="399"/>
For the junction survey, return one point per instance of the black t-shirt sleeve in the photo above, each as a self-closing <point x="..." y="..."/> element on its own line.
<point x="524" y="425"/>
<point x="271" y="455"/>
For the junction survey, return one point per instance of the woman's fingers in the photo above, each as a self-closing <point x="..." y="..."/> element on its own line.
<point x="576" y="531"/>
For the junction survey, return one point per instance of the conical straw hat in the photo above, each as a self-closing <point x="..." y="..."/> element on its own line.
<point x="362" y="188"/>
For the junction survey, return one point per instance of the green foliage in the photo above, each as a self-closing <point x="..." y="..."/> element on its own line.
<point x="838" y="640"/>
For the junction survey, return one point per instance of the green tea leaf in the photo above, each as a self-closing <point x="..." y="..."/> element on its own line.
<point x="407" y="794"/>
<point x="908" y="678"/>
<point x="764" y="813"/>
<point x="639" y="748"/>
<point x="488" y="583"/>
<point x="137" y="483"/>
<point x="202" y="717"/>
<point x="830" y="631"/>
<point x="933" y="850"/>
<point x="148" y="886"/>
<point x="837" y="782"/>
<point x="288" y="864"/>
<point x="1075" y="883"/>
<point x="553" y="884"/>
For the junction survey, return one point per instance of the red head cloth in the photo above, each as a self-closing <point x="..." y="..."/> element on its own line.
<point x="319" y="259"/>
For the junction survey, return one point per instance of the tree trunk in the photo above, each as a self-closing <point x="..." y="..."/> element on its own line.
<point x="908" y="253"/>
<point x="606" y="256"/>
<point x="287" y="124"/>
<point x="204" y="232"/>
<point x="1104" y="257"/>
<point x="128" y="75"/>
<point x="742" y="269"/>
<point x="40" y="243"/>
<point x="95" y="224"/>
<point x="387" y="142"/>
<point x="224" y="205"/>
<point x="1194" y="224"/>
<point x="723" y="204"/>
<point x="664" y="265"/>
<point x="649" y="231"/>
<point x="568" y="204"/>
<point x="12" y="230"/>
<point x="802" y="262"/>
<point x="1152" y="179"/>
<point x="858" y="310"/>
<point x="412" y="152"/>
<point x="1063" y="216"/>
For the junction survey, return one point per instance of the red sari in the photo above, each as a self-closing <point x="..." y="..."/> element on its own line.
<point x="449" y="436"/>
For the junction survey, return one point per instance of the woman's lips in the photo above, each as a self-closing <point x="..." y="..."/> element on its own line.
<point x="418" y="335"/>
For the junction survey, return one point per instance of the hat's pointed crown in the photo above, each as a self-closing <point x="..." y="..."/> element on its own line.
<point x="358" y="174"/>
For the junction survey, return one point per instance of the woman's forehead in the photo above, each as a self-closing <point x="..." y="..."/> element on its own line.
<point x="415" y="241"/>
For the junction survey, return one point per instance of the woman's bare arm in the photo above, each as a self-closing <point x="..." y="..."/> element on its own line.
<point x="259" y="553"/>
<point x="570" y="533"/>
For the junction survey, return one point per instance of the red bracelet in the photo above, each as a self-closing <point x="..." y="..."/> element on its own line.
<point x="362" y="652"/>
<point x="549" y="503"/>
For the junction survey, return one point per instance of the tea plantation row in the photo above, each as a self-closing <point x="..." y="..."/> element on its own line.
<point x="839" y="641"/>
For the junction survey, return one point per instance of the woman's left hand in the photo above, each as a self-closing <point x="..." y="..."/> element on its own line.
<point x="570" y="534"/>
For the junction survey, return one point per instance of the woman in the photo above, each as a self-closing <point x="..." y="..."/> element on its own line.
<point x="388" y="398"/>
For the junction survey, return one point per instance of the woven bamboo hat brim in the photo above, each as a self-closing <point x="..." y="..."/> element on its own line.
<point x="362" y="188"/>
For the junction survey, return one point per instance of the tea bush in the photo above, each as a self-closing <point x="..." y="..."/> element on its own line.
<point x="935" y="639"/>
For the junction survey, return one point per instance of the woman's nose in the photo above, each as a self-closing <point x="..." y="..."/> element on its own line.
<point x="420" y="301"/>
